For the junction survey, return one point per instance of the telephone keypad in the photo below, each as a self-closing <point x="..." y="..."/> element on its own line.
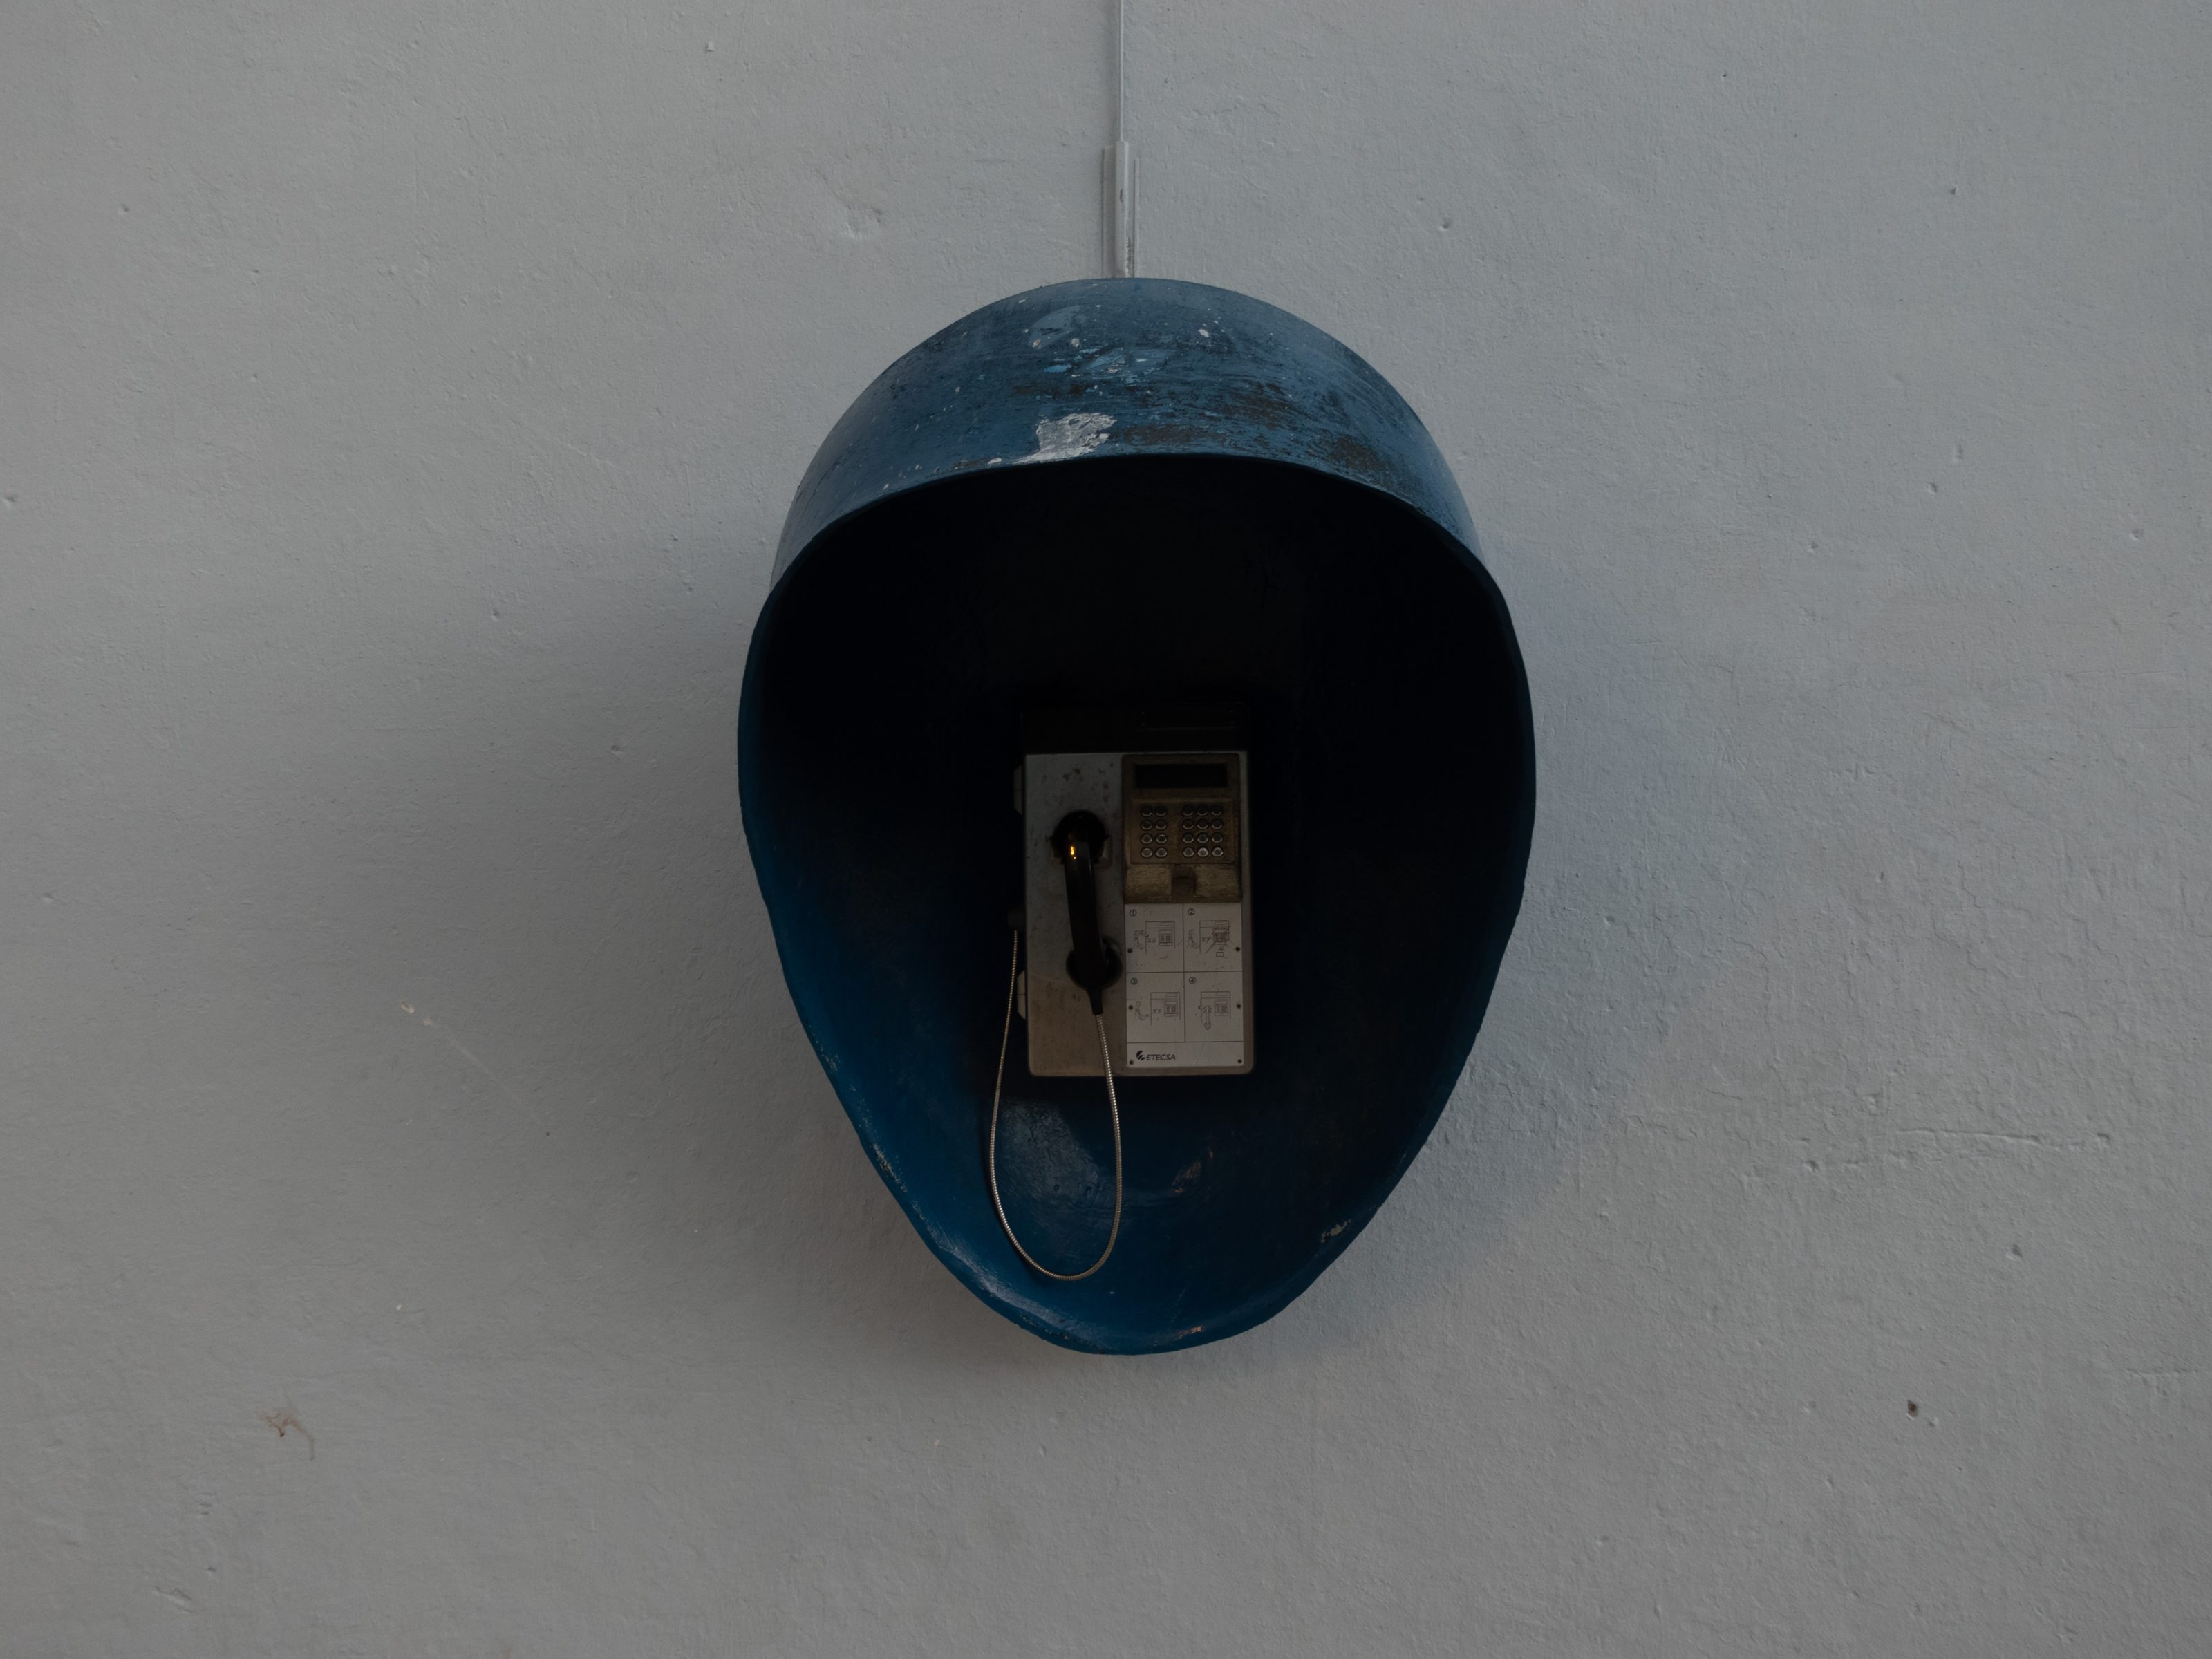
<point x="1183" y="829"/>
<point x="1183" y="838"/>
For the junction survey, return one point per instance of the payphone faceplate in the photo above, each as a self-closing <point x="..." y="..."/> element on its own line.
<point x="1173" y="899"/>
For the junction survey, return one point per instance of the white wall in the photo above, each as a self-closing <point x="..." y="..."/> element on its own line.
<point x="398" y="406"/>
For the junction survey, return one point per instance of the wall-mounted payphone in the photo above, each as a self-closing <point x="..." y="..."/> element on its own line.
<point x="1173" y="894"/>
<point x="1283" y="1045"/>
<point x="1136" y="903"/>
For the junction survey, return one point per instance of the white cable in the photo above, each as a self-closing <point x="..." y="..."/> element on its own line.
<point x="1121" y="71"/>
<point x="1117" y="201"/>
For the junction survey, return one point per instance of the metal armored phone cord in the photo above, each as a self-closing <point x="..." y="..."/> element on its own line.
<point x="1113" y="1110"/>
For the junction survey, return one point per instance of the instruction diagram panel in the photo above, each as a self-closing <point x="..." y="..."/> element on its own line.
<point x="1183" y="984"/>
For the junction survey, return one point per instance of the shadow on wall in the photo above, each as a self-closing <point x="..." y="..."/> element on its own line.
<point x="539" y="873"/>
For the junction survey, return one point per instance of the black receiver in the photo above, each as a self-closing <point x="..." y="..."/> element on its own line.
<point x="1078" y="841"/>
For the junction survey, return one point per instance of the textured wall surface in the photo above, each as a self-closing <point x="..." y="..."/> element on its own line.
<point x="422" y="1227"/>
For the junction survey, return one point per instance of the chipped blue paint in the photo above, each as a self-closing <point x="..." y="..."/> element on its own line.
<point x="1184" y="369"/>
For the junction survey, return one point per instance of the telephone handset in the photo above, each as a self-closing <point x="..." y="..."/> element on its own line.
<point x="1138" y="943"/>
<point x="1078" y="841"/>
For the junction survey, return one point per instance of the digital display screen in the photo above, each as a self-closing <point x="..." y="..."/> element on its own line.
<point x="1188" y="775"/>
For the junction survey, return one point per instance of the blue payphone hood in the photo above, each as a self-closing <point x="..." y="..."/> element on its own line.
<point x="1096" y="490"/>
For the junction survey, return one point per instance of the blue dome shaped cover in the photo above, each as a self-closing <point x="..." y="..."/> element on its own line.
<point x="1137" y="430"/>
